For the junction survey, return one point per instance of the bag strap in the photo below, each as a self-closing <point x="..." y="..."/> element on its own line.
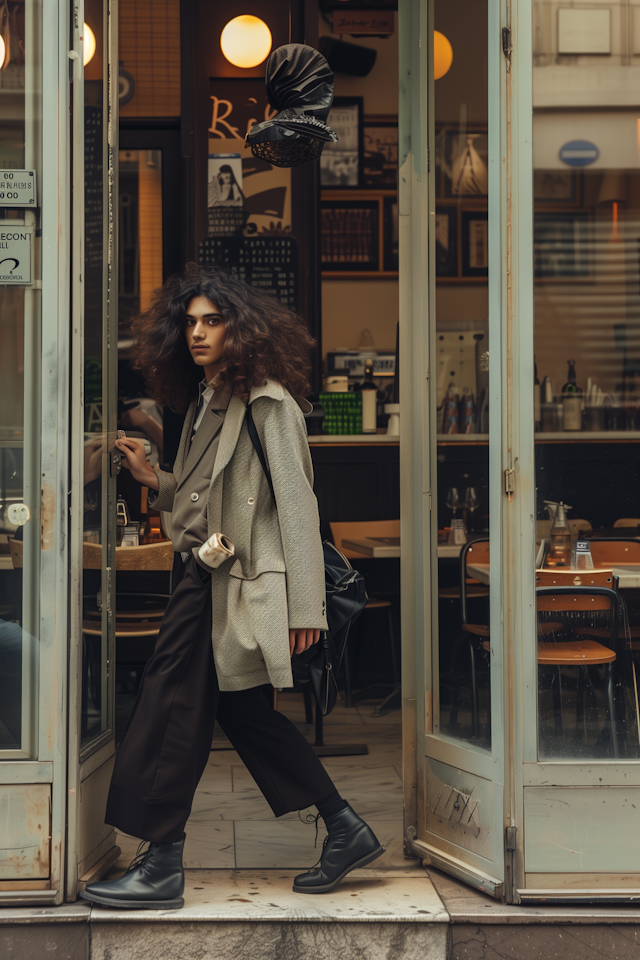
<point x="257" y="446"/>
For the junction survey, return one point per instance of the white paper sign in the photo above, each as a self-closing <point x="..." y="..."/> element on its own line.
<point x="15" y="255"/>
<point x="17" y="188"/>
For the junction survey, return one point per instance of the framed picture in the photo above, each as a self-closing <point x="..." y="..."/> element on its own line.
<point x="390" y="247"/>
<point x="349" y="232"/>
<point x="380" y="161"/>
<point x="555" y="186"/>
<point x="561" y="245"/>
<point x="464" y="162"/>
<point x="446" y="242"/>
<point x="341" y="162"/>
<point x="475" y="243"/>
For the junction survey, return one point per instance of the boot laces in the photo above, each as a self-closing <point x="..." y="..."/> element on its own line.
<point x="310" y="818"/>
<point x="141" y="856"/>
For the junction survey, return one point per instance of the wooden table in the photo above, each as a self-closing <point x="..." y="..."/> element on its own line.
<point x="377" y="548"/>
<point x="628" y="575"/>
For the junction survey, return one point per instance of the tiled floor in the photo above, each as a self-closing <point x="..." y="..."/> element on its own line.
<point x="232" y="826"/>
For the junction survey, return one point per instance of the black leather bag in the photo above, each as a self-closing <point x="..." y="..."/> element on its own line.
<point x="346" y="599"/>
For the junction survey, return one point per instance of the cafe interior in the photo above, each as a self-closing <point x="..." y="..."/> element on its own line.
<point x="324" y="237"/>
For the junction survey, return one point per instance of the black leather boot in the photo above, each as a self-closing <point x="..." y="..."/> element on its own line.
<point x="350" y="844"/>
<point x="154" y="881"/>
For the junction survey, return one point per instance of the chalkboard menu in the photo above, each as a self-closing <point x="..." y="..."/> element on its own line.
<point x="93" y="227"/>
<point x="272" y="263"/>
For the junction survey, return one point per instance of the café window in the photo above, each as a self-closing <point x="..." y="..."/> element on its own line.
<point x="587" y="388"/>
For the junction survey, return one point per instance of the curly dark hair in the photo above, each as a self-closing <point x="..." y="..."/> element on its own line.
<point x="264" y="339"/>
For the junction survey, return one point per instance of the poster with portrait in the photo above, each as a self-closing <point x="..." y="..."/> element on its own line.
<point x="235" y="105"/>
<point x="225" y="199"/>
<point x="225" y="180"/>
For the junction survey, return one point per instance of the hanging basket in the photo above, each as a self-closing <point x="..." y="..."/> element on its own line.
<point x="288" y="153"/>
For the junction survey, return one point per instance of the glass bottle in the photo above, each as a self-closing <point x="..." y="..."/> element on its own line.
<point x="369" y="400"/>
<point x="560" y="552"/>
<point x="571" y="401"/>
<point x="571" y="385"/>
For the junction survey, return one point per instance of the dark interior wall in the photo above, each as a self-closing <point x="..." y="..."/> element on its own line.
<point x="202" y="22"/>
<point x="464" y="23"/>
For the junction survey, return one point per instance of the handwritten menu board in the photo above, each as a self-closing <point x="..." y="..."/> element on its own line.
<point x="93" y="227"/>
<point x="272" y="263"/>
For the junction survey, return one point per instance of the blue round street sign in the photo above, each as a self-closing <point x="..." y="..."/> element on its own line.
<point x="579" y="153"/>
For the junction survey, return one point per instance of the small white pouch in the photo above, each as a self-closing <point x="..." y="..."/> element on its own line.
<point x="216" y="550"/>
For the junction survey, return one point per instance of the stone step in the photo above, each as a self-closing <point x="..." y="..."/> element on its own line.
<point x="247" y="915"/>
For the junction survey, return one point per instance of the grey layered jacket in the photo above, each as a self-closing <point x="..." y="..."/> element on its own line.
<point x="275" y="582"/>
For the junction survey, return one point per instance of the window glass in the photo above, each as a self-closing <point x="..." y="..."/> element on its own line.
<point x="462" y="272"/>
<point x="94" y="613"/>
<point x="20" y="117"/>
<point x="587" y="390"/>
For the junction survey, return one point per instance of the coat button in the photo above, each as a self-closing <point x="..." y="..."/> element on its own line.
<point x="195" y="496"/>
<point x="251" y="500"/>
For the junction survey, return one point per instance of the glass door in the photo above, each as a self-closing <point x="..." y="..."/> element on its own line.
<point x="451" y="447"/>
<point x="92" y="742"/>
<point x="579" y="786"/>
<point x="20" y="304"/>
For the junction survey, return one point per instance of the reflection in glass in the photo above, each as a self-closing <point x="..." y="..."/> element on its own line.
<point x="19" y="397"/>
<point x="94" y="622"/>
<point x="587" y="351"/>
<point x="462" y="380"/>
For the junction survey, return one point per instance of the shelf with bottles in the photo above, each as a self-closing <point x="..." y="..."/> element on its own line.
<point x="588" y="413"/>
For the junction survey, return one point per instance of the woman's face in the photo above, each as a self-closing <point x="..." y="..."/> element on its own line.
<point x="205" y="332"/>
<point x="226" y="177"/>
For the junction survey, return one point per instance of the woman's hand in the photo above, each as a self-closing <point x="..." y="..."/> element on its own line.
<point x="301" y="640"/>
<point x="134" y="459"/>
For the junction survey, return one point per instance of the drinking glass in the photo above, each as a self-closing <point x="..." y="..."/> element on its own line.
<point x="471" y="503"/>
<point x="453" y="499"/>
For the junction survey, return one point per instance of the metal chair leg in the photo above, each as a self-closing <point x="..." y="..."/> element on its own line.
<point x="455" y="693"/>
<point x="308" y="703"/>
<point x="347" y="678"/>
<point x="394" y="664"/>
<point x="474" y="690"/>
<point x="556" y="690"/>
<point x="612" y="710"/>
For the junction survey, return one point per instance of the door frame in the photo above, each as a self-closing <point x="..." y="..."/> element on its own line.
<point x="89" y="766"/>
<point x="162" y="135"/>
<point x="512" y="514"/>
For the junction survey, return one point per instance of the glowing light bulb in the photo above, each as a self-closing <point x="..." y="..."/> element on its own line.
<point x="442" y="54"/>
<point x="89" y="41"/>
<point x="246" y="41"/>
<point x="3" y="51"/>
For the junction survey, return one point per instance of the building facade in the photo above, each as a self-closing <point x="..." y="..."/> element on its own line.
<point x="519" y="240"/>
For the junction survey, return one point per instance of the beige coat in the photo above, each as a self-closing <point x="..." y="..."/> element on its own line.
<point x="276" y="580"/>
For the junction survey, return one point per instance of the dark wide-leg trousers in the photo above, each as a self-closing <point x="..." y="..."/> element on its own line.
<point x="167" y="742"/>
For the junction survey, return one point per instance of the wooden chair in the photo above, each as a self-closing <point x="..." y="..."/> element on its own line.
<point x="138" y="615"/>
<point x="148" y="556"/>
<point x="627" y="522"/>
<point x="565" y="592"/>
<point x="608" y="553"/>
<point x="349" y="530"/>
<point x="474" y="589"/>
<point x="576" y="525"/>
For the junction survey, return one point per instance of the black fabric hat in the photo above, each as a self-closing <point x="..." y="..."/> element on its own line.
<point x="300" y="87"/>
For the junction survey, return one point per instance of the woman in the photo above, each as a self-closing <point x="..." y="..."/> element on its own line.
<point x="268" y="601"/>
<point x="224" y="189"/>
